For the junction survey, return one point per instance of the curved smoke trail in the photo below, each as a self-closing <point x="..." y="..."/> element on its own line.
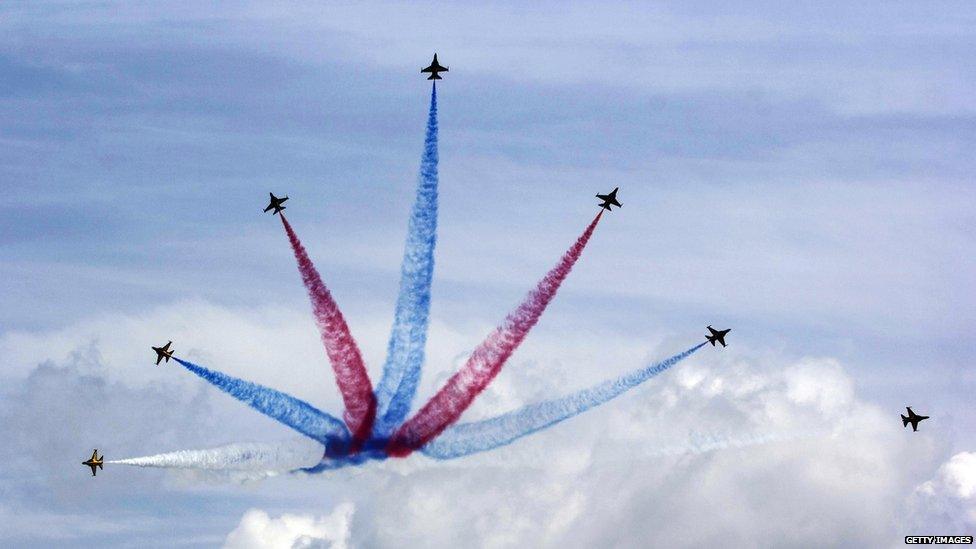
<point x="469" y="438"/>
<point x="405" y="351"/>
<point x="243" y="456"/>
<point x="297" y="414"/>
<point x="347" y="361"/>
<point x="487" y="360"/>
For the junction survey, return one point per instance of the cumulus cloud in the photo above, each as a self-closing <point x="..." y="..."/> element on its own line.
<point x="946" y="504"/>
<point x="258" y="530"/>
<point x="794" y="457"/>
<point x="63" y="408"/>
<point x="50" y="421"/>
<point x="771" y="448"/>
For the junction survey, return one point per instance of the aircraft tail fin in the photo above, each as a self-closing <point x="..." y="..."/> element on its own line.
<point x="100" y="464"/>
<point x="904" y="421"/>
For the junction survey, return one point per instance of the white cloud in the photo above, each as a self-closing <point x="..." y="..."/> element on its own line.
<point x="799" y="457"/>
<point x="960" y="473"/>
<point x="259" y="530"/>
<point x="799" y="460"/>
<point x="946" y="504"/>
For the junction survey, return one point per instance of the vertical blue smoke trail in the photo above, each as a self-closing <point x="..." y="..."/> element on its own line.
<point x="297" y="414"/>
<point x="405" y="352"/>
<point x="469" y="438"/>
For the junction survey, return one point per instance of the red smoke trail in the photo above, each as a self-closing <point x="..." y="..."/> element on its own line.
<point x="486" y="361"/>
<point x="347" y="362"/>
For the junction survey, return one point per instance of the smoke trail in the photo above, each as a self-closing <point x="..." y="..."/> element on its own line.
<point x="469" y="438"/>
<point x="347" y="362"/>
<point x="297" y="414"/>
<point x="405" y="352"/>
<point x="487" y="360"/>
<point x="708" y="442"/>
<point x="243" y="456"/>
<point x="702" y="443"/>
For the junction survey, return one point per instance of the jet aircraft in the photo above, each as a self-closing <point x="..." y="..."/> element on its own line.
<point x="912" y="418"/>
<point x="275" y="204"/>
<point x="610" y="200"/>
<point x="163" y="352"/>
<point x="433" y="69"/>
<point x="717" y="335"/>
<point x="94" y="461"/>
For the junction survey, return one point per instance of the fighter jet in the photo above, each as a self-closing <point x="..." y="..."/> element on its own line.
<point x="163" y="352"/>
<point x="94" y="461"/>
<point x="433" y="69"/>
<point x="717" y="335"/>
<point x="912" y="418"/>
<point x="275" y="204"/>
<point x="610" y="200"/>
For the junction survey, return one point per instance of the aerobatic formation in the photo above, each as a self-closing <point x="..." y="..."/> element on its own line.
<point x="377" y="423"/>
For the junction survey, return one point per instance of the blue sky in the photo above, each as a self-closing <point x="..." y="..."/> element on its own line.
<point x="802" y="174"/>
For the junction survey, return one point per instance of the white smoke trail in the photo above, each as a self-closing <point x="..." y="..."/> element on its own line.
<point x="701" y="443"/>
<point x="242" y="456"/>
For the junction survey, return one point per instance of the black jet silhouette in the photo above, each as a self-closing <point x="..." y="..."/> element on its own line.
<point x="276" y="204"/>
<point x="433" y="69"/>
<point x="912" y="418"/>
<point x="717" y="335"/>
<point x="610" y="200"/>
<point x="94" y="461"/>
<point x="163" y="352"/>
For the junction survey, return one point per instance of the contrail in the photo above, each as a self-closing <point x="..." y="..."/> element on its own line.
<point x="297" y="414"/>
<point x="347" y="361"/>
<point x="479" y="436"/>
<point x="487" y="360"/>
<point x="405" y="351"/>
<point x="243" y="456"/>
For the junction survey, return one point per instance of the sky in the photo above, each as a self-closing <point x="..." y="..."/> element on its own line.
<point x="801" y="173"/>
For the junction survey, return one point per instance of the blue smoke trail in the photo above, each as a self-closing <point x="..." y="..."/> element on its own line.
<point x="297" y="414"/>
<point x="405" y="352"/>
<point x="469" y="438"/>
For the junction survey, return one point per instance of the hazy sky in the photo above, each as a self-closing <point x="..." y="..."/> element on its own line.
<point x="802" y="174"/>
